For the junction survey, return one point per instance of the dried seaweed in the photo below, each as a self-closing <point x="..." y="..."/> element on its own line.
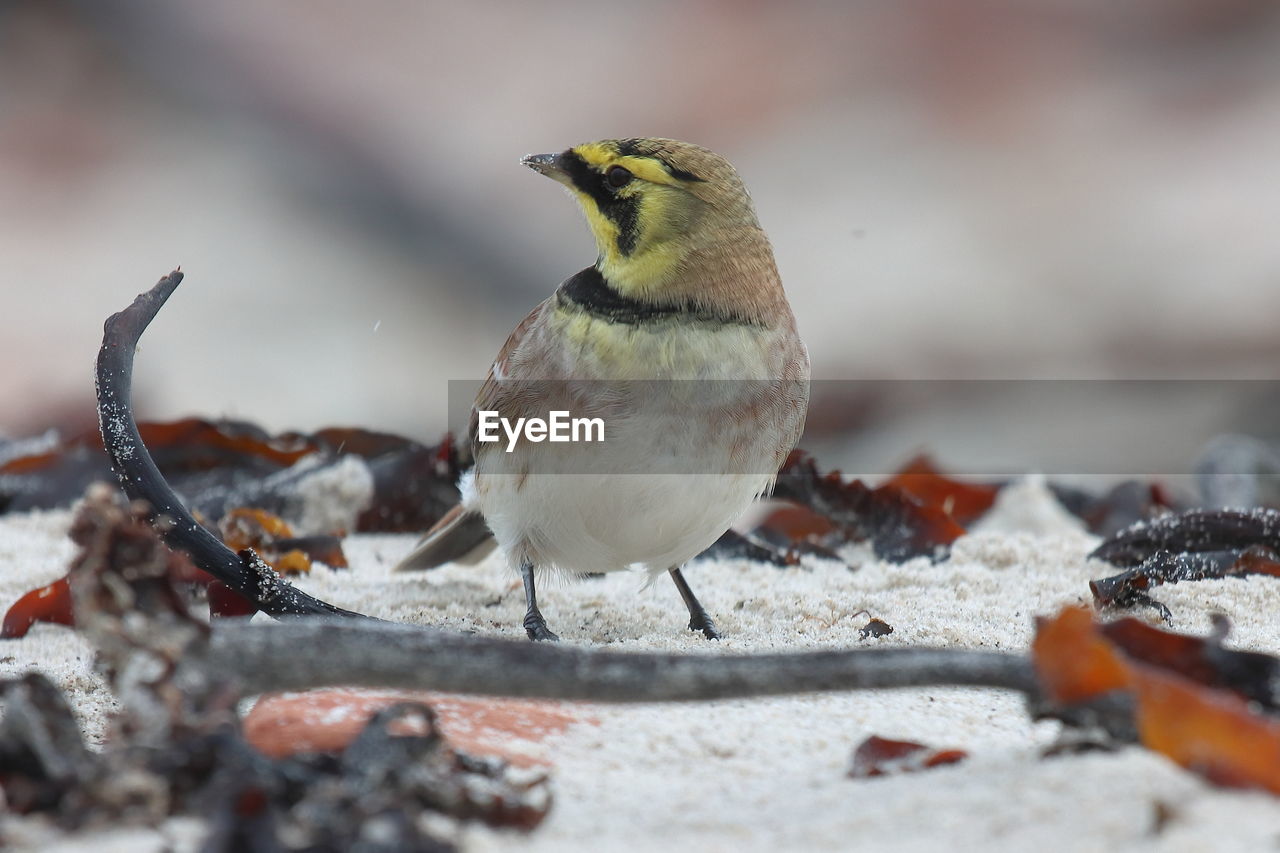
<point x="220" y="465"/>
<point x="898" y="525"/>
<point x="1201" y="705"/>
<point x="794" y="531"/>
<point x="1196" y="545"/>
<point x="925" y="481"/>
<point x="413" y="486"/>
<point x="1195" y="531"/>
<point x="1252" y="676"/>
<point x="878" y="756"/>
<point x="1123" y="505"/>
<point x="50" y="603"/>
<point x="875" y="628"/>
<point x="274" y="540"/>
<point x="177" y="746"/>
<point x="732" y="545"/>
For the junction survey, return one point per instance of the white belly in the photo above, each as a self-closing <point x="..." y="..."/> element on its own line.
<point x="602" y="523"/>
<point x="632" y="509"/>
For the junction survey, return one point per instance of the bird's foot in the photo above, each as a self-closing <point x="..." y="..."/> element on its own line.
<point x="702" y="622"/>
<point x="536" y="627"/>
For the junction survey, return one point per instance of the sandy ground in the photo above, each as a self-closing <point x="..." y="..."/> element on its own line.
<point x="770" y="773"/>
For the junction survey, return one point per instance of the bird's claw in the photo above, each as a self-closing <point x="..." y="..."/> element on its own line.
<point x="536" y="627"/>
<point x="704" y="624"/>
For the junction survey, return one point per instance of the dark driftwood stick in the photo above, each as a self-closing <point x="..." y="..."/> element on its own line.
<point x="315" y="652"/>
<point x="142" y="480"/>
<point x="306" y="653"/>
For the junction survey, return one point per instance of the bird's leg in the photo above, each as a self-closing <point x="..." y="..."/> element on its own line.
<point x="699" y="619"/>
<point x="534" y="625"/>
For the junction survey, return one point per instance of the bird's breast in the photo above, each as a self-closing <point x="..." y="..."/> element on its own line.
<point x="674" y="348"/>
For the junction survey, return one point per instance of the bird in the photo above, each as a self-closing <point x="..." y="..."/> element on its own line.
<point x="680" y="339"/>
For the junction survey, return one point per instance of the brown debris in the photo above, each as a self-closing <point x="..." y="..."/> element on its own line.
<point x="223" y="465"/>
<point x="1192" y="701"/>
<point x="1191" y="546"/>
<point x="1121" y="506"/>
<point x="50" y="603"/>
<point x="1193" y="532"/>
<point x="875" y="628"/>
<point x="898" y="525"/>
<point x="732" y="545"/>
<point x="274" y="540"/>
<point x="877" y="756"/>
<point x="1130" y="587"/>
<point x="965" y="502"/>
<point x="177" y="746"/>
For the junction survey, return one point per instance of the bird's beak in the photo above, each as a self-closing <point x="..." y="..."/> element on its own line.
<point x="550" y="165"/>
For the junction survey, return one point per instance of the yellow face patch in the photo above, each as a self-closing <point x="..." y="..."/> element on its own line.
<point x="639" y="226"/>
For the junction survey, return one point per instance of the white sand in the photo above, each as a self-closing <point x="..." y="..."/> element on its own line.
<point x="769" y="773"/>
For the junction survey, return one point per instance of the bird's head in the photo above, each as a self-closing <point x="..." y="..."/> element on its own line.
<point x="650" y="203"/>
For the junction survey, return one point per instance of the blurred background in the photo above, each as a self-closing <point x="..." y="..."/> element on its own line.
<point x="995" y="189"/>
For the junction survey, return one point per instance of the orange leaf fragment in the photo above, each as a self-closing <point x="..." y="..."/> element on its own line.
<point x="1185" y="707"/>
<point x="1211" y="732"/>
<point x="273" y="540"/>
<point x="247" y="527"/>
<point x="1072" y="659"/>
<point x="923" y="480"/>
<point x="878" y="756"/>
<point x="50" y="603"/>
<point x="292" y="562"/>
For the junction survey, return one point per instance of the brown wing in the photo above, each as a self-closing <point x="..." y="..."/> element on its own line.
<point x="491" y="394"/>
<point x="792" y="405"/>
<point x="461" y="531"/>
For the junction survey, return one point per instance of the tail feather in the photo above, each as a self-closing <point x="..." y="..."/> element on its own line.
<point x="458" y="533"/>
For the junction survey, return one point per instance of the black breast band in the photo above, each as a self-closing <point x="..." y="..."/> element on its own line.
<point x="589" y="292"/>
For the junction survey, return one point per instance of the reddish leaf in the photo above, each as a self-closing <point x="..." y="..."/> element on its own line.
<point x="50" y="603"/>
<point x="899" y="525"/>
<point x="964" y="502"/>
<point x="226" y="603"/>
<point x="1213" y="731"/>
<point x="1249" y="675"/>
<point x="877" y="756"/>
<point x="798" y="523"/>
<point x="1073" y="661"/>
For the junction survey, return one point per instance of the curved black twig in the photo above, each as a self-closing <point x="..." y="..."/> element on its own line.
<point x="268" y="657"/>
<point x="142" y="480"/>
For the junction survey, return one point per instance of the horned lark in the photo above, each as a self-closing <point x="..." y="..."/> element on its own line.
<point x="684" y="288"/>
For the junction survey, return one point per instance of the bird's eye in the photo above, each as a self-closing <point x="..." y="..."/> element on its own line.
<point x="617" y="176"/>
